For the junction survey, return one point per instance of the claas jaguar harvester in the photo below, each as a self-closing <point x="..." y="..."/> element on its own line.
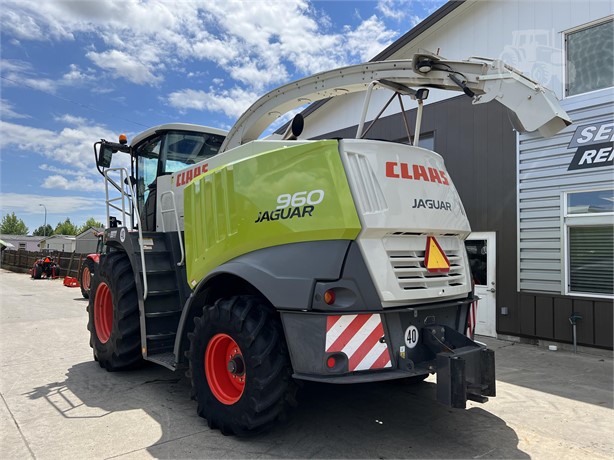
<point x="256" y="263"/>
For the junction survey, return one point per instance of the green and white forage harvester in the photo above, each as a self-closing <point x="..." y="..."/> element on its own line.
<point x="255" y="263"/>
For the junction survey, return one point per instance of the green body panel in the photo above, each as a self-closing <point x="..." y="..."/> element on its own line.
<point x="222" y="206"/>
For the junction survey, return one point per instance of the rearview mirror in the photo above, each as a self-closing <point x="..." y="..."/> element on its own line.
<point x="104" y="156"/>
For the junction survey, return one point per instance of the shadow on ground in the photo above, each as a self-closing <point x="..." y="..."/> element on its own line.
<point x="376" y="420"/>
<point x="580" y="377"/>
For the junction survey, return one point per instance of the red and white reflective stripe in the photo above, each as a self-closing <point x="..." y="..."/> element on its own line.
<point x="358" y="336"/>
<point x="472" y="319"/>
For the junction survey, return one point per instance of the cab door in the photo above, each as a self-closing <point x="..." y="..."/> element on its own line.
<point x="147" y="172"/>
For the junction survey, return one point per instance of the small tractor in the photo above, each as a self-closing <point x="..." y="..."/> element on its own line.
<point x="45" y="267"/>
<point x="256" y="263"/>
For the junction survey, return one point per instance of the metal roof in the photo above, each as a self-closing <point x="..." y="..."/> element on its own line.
<point x="179" y="127"/>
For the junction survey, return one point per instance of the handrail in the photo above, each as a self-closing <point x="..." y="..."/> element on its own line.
<point x="173" y="209"/>
<point x="119" y="188"/>
<point x="126" y="194"/>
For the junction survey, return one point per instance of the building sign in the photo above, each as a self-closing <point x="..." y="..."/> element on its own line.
<point x="595" y="146"/>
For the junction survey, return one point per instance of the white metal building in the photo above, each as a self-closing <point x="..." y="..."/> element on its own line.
<point x="61" y="243"/>
<point x="22" y="242"/>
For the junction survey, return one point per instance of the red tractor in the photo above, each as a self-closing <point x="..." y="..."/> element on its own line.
<point x="45" y="267"/>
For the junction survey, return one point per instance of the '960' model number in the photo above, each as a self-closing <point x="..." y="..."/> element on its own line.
<point x="300" y="199"/>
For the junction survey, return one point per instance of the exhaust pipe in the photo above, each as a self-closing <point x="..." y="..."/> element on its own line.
<point x="295" y="128"/>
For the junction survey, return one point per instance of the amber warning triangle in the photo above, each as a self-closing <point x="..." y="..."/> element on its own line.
<point x="435" y="260"/>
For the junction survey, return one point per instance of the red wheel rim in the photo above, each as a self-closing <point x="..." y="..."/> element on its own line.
<point x="225" y="369"/>
<point x="103" y="312"/>
<point x="85" y="279"/>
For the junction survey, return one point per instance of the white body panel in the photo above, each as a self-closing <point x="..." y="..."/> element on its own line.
<point x="385" y="199"/>
<point x="398" y="213"/>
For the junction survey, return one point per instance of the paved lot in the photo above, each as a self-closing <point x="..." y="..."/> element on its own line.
<point x="57" y="403"/>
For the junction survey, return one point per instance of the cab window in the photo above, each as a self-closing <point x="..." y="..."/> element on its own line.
<point x="186" y="148"/>
<point x="148" y="155"/>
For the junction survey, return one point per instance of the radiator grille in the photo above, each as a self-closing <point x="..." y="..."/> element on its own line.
<point x="406" y="256"/>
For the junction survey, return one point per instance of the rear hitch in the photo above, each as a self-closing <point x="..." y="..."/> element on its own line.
<point x="465" y="369"/>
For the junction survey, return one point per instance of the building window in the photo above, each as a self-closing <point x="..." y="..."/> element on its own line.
<point x="22" y="246"/>
<point x="589" y="230"/>
<point x="590" y="59"/>
<point x="593" y="202"/>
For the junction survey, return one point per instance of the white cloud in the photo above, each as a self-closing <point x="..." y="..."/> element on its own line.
<point x="231" y="102"/>
<point x="75" y="75"/>
<point x="57" y="182"/>
<point x="19" y="25"/>
<point x="394" y="9"/>
<point x="71" y="145"/>
<point x="366" y="40"/>
<point x="121" y="64"/>
<point x="30" y="203"/>
<point x="45" y="85"/>
<point x="146" y="38"/>
<point x="50" y="168"/>
<point x="251" y="73"/>
<point x="414" y="20"/>
<point x="71" y="119"/>
<point x="402" y="10"/>
<point x="7" y="112"/>
<point x="15" y="65"/>
<point x="19" y="73"/>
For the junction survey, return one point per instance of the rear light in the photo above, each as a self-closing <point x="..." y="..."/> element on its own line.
<point x="329" y="297"/>
<point x="331" y="361"/>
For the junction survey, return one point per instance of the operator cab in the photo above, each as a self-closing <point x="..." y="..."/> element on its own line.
<point x="161" y="151"/>
<point x="164" y="150"/>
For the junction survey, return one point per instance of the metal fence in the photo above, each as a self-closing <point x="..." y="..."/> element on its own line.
<point x="22" y="261"/>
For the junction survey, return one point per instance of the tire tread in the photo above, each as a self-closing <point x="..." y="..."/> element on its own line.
<point x="269" y="389"/>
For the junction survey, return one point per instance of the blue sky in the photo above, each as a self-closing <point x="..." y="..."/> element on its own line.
<point x="75" y="71"/>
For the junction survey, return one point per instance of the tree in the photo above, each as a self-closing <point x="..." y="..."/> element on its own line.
<point x="66" y="228"/>
<point x="12" y="225"/>
<point x="43" y="231"/>
<point x="91" y="222"/>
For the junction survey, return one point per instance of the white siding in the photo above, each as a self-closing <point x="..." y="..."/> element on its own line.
<point x="542" y="179"/>
<point x="482" y="28"/>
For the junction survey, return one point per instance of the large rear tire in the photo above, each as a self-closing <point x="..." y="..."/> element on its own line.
<point x="239" y="366"/>
<point x="85" y="277"/>
<point x="114" y="314"/>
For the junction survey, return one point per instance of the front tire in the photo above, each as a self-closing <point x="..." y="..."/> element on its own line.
<point x="114" y="314"/>
<point x="239" y="366"/>
<point x="85" y="277"/>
